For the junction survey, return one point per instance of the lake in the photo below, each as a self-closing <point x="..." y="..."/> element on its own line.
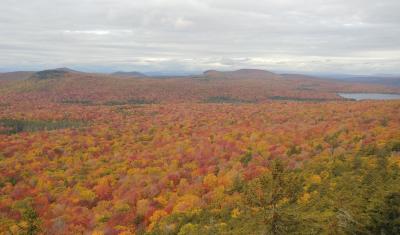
<point x="370" y="96"/>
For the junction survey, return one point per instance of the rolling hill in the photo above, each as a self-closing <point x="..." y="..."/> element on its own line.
<point x="19" y="75"/>
<point x="248" y="86"/>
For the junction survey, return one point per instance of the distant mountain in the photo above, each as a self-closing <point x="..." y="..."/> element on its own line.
<point x="19" y="75"/>
<point x="54" y="73"/>
<point x="381" y="79"/>
<point x="384" y="80"/>
<point x="65" y="69"/>
<point x="129" y="74"/>
<point x="242" y="73"/>
<point x="45" y="74"/>
<point x="49" y="74"/>
<point x="241" y="86"/>
<point x="298" y="76"/>
<point x="164" y="74"/>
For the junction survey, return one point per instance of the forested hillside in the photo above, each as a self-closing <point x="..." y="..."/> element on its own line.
<point x="101" y="155"/>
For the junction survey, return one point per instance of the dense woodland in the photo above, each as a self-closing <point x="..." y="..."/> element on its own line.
<point x="186" y="156"/>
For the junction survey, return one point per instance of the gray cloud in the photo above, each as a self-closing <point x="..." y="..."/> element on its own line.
<point x="352" y="36"/>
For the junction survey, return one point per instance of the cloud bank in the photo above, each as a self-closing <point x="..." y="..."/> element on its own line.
<point x="347" y="36"/>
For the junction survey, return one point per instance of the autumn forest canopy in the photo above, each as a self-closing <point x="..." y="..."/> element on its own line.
<point x="241" y="152"/>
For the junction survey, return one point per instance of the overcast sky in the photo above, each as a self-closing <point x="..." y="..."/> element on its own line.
<point x="342" y="36"/>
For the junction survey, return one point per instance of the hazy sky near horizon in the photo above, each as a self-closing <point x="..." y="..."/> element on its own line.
<point x="342" y="36"/>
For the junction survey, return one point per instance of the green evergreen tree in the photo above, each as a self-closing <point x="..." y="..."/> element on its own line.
<point x="276" y="194"/>
<point x="385" y="218"/>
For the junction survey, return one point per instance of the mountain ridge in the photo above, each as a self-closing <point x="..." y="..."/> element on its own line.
<point x="241" y="73"/>
<point x="128" y="74"/>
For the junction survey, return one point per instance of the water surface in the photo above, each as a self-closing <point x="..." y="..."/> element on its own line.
<point x="370" y="96"/>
